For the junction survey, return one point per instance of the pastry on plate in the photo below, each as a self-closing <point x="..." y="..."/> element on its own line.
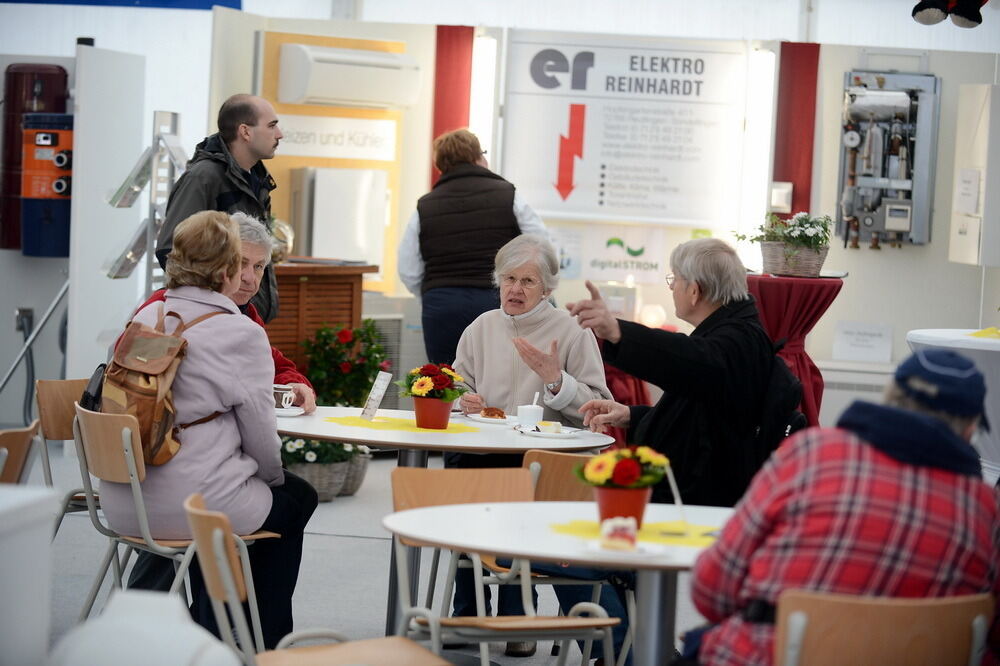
<point x="618" y="533"/>
<point x="549" y="426"/>
<point x="492" y="413"/>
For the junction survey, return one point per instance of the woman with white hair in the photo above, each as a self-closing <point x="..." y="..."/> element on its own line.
<point x="506" y="356"/>
<point x="528" y="345"/>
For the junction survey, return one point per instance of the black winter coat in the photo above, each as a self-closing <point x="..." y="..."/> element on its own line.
<point x="214" y="181"/>
<point x="713" y="382"/>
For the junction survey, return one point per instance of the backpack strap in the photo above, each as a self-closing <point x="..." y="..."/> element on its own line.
<point x="194" y="322"/>
<point x="204" y="419"/>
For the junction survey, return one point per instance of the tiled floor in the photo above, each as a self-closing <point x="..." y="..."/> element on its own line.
<point x="344" y="577"/>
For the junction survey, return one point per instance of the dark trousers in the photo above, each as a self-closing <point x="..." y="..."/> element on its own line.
<point x="508" y="596"/>
<point x="274" y="563"/>
<point x="446" y="312"/>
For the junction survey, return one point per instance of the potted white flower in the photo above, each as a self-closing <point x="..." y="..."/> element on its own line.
<point x="796" y="247"/>
<point x="322" y="463"/>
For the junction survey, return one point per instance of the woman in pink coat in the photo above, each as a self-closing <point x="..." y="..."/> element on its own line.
<point x="233" y="459"/>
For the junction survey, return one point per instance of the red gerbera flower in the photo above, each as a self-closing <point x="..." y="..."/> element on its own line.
<point x="627" y="472"/>
<point x="345" y="367"/>
<point x="441" y="381"/>
<point x="345" y="335"/>
<point x="429" y="370"/>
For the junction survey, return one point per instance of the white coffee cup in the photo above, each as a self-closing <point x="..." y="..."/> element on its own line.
<point x="284" y="396"/>
<point x="529" y="415"/>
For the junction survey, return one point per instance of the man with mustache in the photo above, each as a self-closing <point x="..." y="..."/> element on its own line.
<point x="227" y="173"/>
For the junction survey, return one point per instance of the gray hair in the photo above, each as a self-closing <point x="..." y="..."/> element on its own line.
<point x="714" y="265"/>
<point x="253" y="231"/>
<point x="528" y="248"/>
<point x="894" y="396"/>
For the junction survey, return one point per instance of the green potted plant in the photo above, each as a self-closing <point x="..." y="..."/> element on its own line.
<point x="795" y="247"/>
<point x="322" y="463"/>
<point x="623" y="480"/>
<point x="342" y="365"/>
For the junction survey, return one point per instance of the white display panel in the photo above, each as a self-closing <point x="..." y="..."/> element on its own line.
<point x="615" y="128"/>
<point x="350" y="212"/>
<point x="108" y="138"/>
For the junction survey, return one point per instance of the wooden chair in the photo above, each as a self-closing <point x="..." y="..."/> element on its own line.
<point x="554" y="477"/>
<point x="18" y="444"/>
<point x="108" y="447"/>
<point x="819" y="629"/>
<point x="225" y="566"/>
<point x="415" y="487"/>
<point x="55" y="399"/>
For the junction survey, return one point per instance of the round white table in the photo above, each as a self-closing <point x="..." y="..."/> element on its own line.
<point x="414" y="447"/>
<point x="489" y="437"/>
<point x="985" y="353"/>
<point x="524" y="529"/>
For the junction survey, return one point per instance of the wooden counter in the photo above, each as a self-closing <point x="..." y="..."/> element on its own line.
<point x="311" y="296"/>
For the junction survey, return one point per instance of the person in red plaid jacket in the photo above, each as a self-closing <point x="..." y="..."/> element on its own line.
<point x="889" y="503"/>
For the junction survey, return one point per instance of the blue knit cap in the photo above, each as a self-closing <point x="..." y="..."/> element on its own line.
<point x="943" y="380"/>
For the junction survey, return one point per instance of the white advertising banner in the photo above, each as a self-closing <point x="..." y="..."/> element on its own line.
<point x="338" y="138"/>
<point x="604" y="253"/>
<point x="621" y="128"/>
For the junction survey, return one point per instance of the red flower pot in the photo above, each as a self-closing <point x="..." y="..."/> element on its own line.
<point x="432" y="413"/>
<point x="622" y="502"/>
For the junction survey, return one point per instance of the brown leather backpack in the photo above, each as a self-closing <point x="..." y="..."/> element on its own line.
<point x="138" y="378"/>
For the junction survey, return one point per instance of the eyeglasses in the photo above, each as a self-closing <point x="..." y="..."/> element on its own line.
<point x="527" y="283"/>
<point x="670" y="281"/>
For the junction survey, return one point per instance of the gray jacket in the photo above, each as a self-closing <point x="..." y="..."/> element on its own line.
<point x="214" y="181"/>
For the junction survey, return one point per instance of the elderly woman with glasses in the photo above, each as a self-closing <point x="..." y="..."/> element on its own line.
<point x="528" y="346"/>
<point x="506" y="356"/>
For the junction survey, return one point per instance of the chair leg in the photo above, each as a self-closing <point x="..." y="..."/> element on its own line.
<point x="96" y="587"/>
<point x="630" y="634"/>
<point x="181" y="569"/>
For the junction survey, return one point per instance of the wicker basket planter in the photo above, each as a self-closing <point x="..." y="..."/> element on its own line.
<point x="356" y="468"/>
<point x="792" y="260"/>
<point x="327" y="478"/>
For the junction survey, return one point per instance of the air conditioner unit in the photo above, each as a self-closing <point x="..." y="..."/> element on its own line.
<point x="351" y="77"/>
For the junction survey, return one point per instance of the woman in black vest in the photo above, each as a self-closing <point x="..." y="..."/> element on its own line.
<point x="447" y="251"/>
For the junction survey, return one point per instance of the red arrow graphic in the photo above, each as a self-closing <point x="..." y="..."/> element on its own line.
<point x="569" y="147"/>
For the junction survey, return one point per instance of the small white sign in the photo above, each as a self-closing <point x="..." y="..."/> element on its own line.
<point x="967" y="191"/>
<point x="862" y="341"/>
<point x="338" y="138"/>
<point x="616" y="252"/>
<point x="375" y="396"/>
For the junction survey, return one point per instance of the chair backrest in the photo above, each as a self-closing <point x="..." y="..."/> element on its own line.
<point x="203" y="524"/>
<point x="101" y="436"/>
<point x="18" y="443"/>
<point x="557" y="480"/>
<point x="415" y="487"/>
<point x="55" y="405"/>
<point x="846" y="629"/>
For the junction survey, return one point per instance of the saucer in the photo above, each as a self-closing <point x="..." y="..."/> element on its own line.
<point x="289" y="411"/>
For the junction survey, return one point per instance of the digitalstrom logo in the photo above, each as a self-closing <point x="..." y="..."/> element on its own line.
<point x="620" y="243"/>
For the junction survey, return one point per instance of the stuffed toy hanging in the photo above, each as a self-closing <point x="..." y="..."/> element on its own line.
<point x="964" y="13"/>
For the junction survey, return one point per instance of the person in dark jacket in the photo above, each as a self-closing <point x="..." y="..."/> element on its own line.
<point x="447" y="251"/>
<point x="713" y="380"/>
<point x="227" y="174"/>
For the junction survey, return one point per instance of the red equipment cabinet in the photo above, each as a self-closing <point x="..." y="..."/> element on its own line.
<point x="28" y="88"/>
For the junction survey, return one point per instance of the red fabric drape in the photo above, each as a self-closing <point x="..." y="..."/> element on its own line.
<point x="452" y="81"/>
<point x="796" y="121"/>
<point x="789" y="308"/>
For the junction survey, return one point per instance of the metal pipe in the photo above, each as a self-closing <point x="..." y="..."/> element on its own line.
<point x="34" y="334"/>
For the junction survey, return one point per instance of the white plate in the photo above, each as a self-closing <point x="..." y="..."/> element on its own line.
<point x="567" y="433"/>
<point x="485" y="419"/>
<point x="289" y="411"/>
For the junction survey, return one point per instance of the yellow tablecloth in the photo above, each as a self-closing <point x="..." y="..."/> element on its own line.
<point x="651" y="532"/>
<point x="990" y="332"/>
<point x="390" y="423"/>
